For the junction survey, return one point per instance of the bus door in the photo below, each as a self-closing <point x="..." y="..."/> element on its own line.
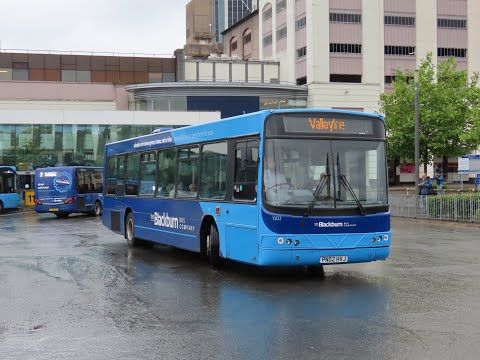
<point x="241" y="227"/>
<point x="82" y="180"/>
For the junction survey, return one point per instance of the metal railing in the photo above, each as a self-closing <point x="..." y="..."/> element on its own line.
<point x="462" y="207"/>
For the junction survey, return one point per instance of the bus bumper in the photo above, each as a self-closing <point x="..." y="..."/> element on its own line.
<point x="302" y="257"/>
<point x="60" y="208"/>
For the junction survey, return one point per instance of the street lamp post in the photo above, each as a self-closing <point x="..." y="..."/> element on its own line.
<point x="417" y="132"/>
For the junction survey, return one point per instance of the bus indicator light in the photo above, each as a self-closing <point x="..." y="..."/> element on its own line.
<point x="280" y="241"/>
<point x="385" y="237"/>
<point x="217" y="210"/>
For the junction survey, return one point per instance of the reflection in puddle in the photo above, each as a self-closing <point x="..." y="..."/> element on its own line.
<point x="261" y="313"/>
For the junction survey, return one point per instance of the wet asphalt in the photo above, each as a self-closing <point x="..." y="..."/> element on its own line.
<point x="71" y="289"/>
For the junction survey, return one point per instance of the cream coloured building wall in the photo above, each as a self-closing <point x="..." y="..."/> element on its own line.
<point x="318" y="61"/>
<point x="216" y="70"/>
<point x="362" y="97"/>
<point x="57" y="105"/>
<point x="473" y="22"/>
<point x="106" y="117"/>
<point x="372" y="43"/>
<point x="318" y="42"/>
<point x="426" y="24"/>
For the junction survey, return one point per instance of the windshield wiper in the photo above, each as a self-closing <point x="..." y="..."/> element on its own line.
<point x="324" y="180"/>
<point x="348" y="187"/>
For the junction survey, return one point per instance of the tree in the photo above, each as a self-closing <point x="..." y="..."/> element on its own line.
<point x="449" y="112"/>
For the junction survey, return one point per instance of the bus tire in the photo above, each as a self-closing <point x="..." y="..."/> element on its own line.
<point x="1" y="206"/>
<point x="62" y="215"/>
<point x="130" y="231"/>
<point x="316" y="271"/>
<point x="213" y="247"/>
<point x="97" y="208"/>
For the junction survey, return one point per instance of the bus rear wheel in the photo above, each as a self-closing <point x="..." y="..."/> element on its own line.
<point x="213" y="247"/>
<point x="130" y="231"/>
<point x="97" y="208"/>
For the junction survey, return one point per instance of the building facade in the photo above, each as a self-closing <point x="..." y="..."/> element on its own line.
<point x="61" y="108"/>
<point x="226" y="13"/>
<point x="240" y="40"/>
<point x="347" y="51"/>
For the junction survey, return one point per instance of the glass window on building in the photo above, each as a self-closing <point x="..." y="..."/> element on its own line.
<point x="69" y="75"/>
<point x="155" y="77"/>
<point x="168" y="77"/>
<point x="141" y="105"/>
<point x="5" y="74"/>
<point x="159" y="103"/>
<point x="32" y="146"/>
<point x="20" y="71"/>
<point x="84" y="76"/>
<point x="178" y="103"/>
<point x="20" y="74"/>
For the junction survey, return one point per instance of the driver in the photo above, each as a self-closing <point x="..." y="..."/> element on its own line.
<point x="274" y="182"/>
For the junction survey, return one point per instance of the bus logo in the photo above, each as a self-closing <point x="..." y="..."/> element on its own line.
<point x="164" y="220"/>
<point x="63" y="182"/>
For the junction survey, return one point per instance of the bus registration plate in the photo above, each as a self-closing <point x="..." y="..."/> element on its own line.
<point x="53" y="209"/>
<point x="333" y="259"/>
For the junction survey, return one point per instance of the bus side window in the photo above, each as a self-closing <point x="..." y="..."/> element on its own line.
<point x="214" y="171"/>
<point x="80" y="181"/>
<point x="111" y="176"/>
<point x="167" y="160"/>
<point x="187" y="180"/>
<point x="147" y="173"/>
<point x="132" y="177"/>
<point x="246" y="170"/>
<point x="119" y="187"/>
<point x="96" y="181"/>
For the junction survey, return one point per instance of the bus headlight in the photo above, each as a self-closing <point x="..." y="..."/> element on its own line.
<point x="296" y="243"/>
<point x="289" y="241"/>
<point x="373" y="240"/>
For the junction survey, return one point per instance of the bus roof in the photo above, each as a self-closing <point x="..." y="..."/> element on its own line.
<point x="73" y="167"/>
<point x="250" y="124"/>
<point x="14" y="168"/>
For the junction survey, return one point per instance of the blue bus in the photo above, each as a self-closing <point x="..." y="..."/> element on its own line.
<point x="9" y="198"/>
<point x="69" y="189"/>
<point x="296" y="187"/>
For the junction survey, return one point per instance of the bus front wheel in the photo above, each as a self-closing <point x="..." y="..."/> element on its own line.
<point x="130" y="231"/>
<point x="213" y="247"/>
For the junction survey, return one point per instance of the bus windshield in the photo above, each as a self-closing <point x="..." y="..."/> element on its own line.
<point x="7" y="180"/>
<point x="343" y="173"/>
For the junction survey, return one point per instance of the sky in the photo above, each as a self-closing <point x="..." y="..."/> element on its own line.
<point x="120" y="26"/>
